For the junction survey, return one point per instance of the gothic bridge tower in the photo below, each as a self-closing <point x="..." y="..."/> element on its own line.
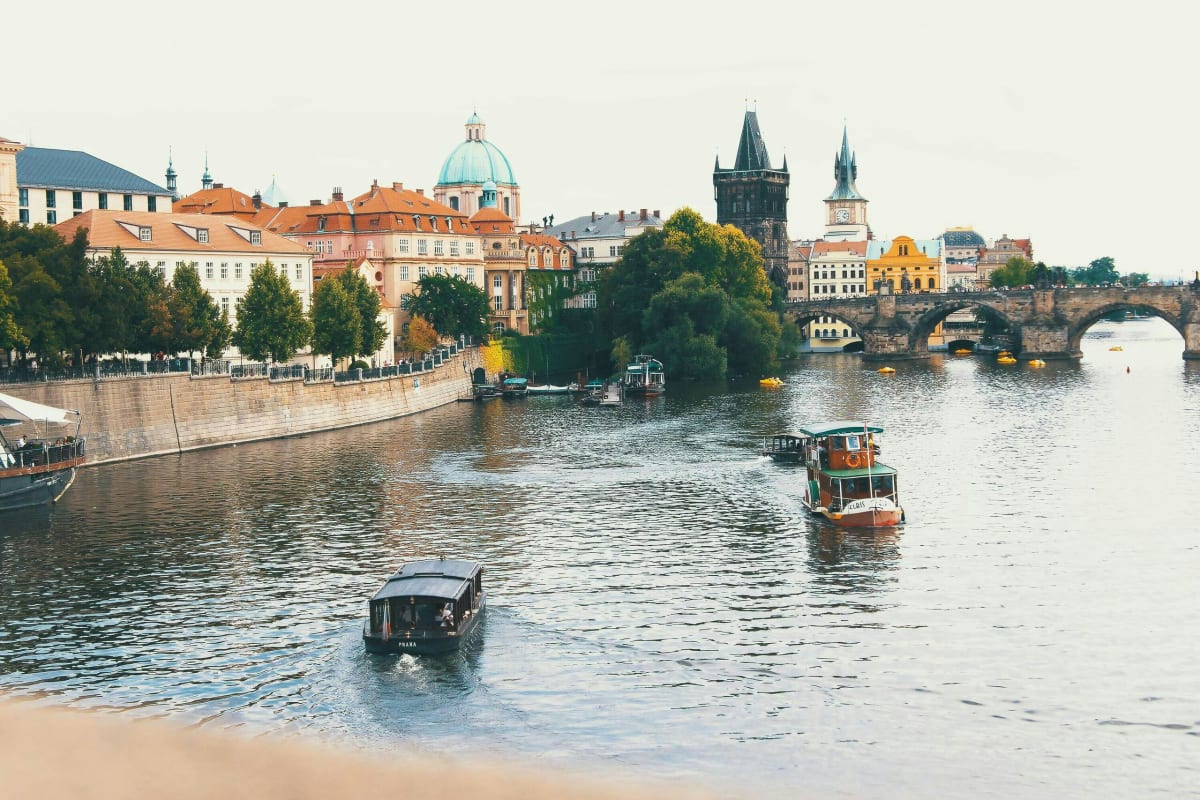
<point x="753" y="197"/>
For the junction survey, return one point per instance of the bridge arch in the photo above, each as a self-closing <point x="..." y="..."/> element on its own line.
<point x="924" y="324"/>
<point x="1083" y="324"/>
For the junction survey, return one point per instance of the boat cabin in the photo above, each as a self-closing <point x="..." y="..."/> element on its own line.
<point x="425" y="601"/>
<point x="843" y="466"/>
<point x="787" y="447"/>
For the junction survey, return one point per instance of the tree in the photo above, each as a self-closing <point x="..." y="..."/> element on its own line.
<point x="11" y="336"/>
<point x="1099" y="272"/>
<point x="451" y="304"/>
<point x="270" y="317"/>
<point x="696" y="295"/>
<point x="372" y="332"/>
<point x="1135" y="279"/>
<point x="420" y="336"/>
<point x="1017" y="271"/>
<point x="336" y="322"/>
<point x="196" y="318"/>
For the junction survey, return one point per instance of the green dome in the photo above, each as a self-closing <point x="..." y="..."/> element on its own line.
<point x="476" y="160"/>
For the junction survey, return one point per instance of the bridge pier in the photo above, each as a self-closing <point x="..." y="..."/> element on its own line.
<point x="889" y="343"/>
<point x="1191" y="340"/>
<point x="1046" y="340"/>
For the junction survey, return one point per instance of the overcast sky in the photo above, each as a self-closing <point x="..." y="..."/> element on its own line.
<point x="1072" y="124"/>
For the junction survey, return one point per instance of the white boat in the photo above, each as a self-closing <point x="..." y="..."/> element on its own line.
<point x="39" y="456"/>
<point x="547" y="388"/>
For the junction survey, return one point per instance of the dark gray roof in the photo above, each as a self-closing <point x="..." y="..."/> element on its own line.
<point x="752" y="150"/>
<point x="604" y="226"/>
<point x="74" y="169"/>
<point x="432" y="577"/>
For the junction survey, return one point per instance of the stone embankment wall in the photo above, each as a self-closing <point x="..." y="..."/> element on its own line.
<point x="129" y="418"/>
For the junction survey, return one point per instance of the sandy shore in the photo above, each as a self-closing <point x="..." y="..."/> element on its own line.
<point x="53" y="754"/>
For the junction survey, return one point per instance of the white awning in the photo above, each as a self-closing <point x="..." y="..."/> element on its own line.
<point x="16" y="408"/>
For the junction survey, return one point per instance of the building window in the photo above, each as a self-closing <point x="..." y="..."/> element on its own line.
<point x="498" y="302"/>
<point x="51" y="217"/>
<point x="152" y="203"/>
<point x="533" y="258"/>
<point x="470" y="247"/>
<point x="299" y="272"/>
<point x="422" y="271"/>
<point x="23" y="197"/>
<point x="454" y="247"/>
<point x="208" y="270"/>
<point x="454" y="202"/>
<point x="224" y="270"/>
<point x="202" y="235"/>
<point x="283" y="271"/>
<point x="404" y="245"/>
<point x="237" y="270"/>
<point x="438" y="249"/>
<point x="612" y="250"/>
<point x="256" y="237"/>
<point x="416" y="222"/>
<point x="76" y="200"/>
<point x="225" y="306"/>
<point x="404" y="272"/>
<point x="422" y="247"/>
<point x="127" y="202"/>
<point x="471" y="274"/>
<point x="23" y="216"/>
<point x="144" y="233"/>
<point x="102" y="200"/>
<point x="329" y="246"/>
<point x="438" y="270"/>
<point x="497" y="282"/>
<point x="51" y="198"/>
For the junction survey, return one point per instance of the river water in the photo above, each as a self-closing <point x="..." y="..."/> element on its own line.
<point x="660" y="603"/>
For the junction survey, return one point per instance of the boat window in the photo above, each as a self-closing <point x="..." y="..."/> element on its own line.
<point x="852" y="442"/>
<point x="837" y="443"/>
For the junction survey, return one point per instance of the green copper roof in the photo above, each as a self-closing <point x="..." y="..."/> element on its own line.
<point x="845" y="171"/>
<point x="839" y="428"/>
<point x="476" y="160"/>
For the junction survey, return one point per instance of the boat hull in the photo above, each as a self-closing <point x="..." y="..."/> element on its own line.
<point x="877" y="512"/>
<point x="424" y="642"/>
<point x="34" y="489"/>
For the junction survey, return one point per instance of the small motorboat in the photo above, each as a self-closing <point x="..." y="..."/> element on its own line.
<point x="426" y="607"/>
<point x="547" y="388"/>
<point x="770" y="382"/>
<point x="887" y="370"/>
<point x="784" y="448"/>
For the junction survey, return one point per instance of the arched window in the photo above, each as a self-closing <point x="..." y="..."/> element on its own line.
<point x="917" y="284"/>
<point x="454" y="202"/>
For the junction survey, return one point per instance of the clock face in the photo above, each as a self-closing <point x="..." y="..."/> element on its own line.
<point x="843" y="215"/>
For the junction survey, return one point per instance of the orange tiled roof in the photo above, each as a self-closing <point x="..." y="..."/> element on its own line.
<point x="218" y="200"/>
<point x="108" y="229"/>
<point x="858" y="248"/>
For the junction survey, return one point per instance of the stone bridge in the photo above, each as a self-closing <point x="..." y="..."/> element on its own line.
<point x="1043" y="323"/>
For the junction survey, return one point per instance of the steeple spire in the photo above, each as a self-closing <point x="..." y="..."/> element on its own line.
<point x="752" y="150"/>
<point x="206" y="181"/>
<point x="845" y="172"/>
<point x="171" y="176"/>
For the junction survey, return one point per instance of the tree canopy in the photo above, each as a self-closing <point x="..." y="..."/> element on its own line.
<point x="270" y="317"/>
<point x="336" y="321"/>
<point x="1099" y="272"/>
<point x="372" y="332"/>
<point x="451" y="304"/>
<point x="695" y="295"/>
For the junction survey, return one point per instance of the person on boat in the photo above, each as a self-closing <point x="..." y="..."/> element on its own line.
<point x="20" y="442"/>
<point x="446" y="620"/>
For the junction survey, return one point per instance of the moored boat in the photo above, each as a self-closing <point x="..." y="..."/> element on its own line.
<point x="548" y="388"/>
<point x="593" y="391"/>
<point x="786" y="448"/>
<point x="844" y="482"/>
<point x="644" y="377"/>
<point x="426" y="607"/>
<point x="514" y="387"/>
<point x="39" y="456"/>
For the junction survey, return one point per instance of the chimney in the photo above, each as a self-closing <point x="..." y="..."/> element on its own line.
<point x="572" y="234"/>
<point x="222" y="186"/>
<point x="657" y="214"/>
<point x="593" y="216"/>
<point x="283" y="204"/>
<point x="421" y="192"/>
<point x="621" y="215"/>
<point x="643" y="214"/>
<point x="337" y="194"/>
<point x="315" y="203"/>
<point x="257" y="201"/>
<point x="398" y="186"/>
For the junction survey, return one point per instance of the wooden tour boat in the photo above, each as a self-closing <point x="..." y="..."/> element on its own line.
<point x="844" y="481"/>
<point x="426" y="607"/>
<point x="784" y="448"/>
<point x="39" y="456"/>
<point x="644" y="377"/>
<point x="514" y="387"/>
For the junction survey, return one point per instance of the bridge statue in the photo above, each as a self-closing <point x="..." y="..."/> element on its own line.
<point x="1043" y="323"/>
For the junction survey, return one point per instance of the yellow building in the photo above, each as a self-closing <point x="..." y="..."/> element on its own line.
<point x="907" y="265"/>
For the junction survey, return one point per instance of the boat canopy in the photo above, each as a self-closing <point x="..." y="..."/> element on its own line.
<point x="839" y="428"/>
<point x="14" y="411"/>
<point x="875" y="471"/>
<point x="445" y="579"/>
<point x="515" y="381"/>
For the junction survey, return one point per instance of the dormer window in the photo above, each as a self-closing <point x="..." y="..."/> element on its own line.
<point x="433" y="223"/>
<point x="449" y="224"/>
<point x="202" y="235"/>
<point x="256" y="237"/>
<point x="320" y="224"/>
<point x="533" y="258"/>
<point x="416" y="222"/>
<point x="144" y="233"/>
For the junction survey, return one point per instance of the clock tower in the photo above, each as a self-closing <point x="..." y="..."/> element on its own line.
<point x="753" y="197"/>
<point x="845" y="208"/>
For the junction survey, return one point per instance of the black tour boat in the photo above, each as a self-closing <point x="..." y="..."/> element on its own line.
<point x="39" y="456"/>
<point x="426" y="607"/>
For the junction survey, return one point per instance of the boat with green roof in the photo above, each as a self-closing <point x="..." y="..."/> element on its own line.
<point x="845" y="482"/>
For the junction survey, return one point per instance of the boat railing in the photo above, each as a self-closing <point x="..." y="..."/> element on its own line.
<point x="43" y="453"/>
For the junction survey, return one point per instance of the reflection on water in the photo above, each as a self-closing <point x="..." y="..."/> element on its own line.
<point x="658" y="599"/>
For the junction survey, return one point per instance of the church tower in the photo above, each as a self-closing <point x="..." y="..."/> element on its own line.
<point x="845" y="208"/>
<point x="172" y="177"/>
<point x="753" y="197"/>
